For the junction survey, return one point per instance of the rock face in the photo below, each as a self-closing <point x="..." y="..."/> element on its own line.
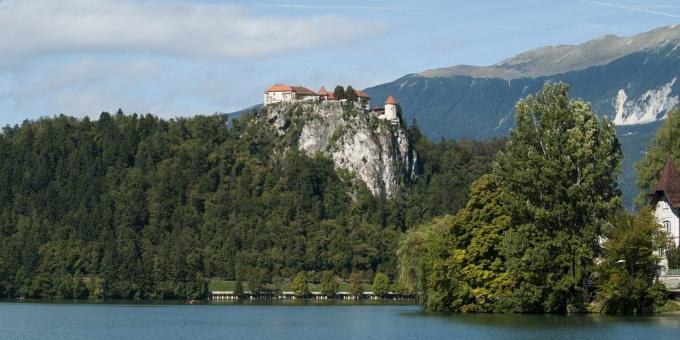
<point x="376" y="151"/>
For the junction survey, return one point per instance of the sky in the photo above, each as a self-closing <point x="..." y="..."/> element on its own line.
<point x="181" y="57"/>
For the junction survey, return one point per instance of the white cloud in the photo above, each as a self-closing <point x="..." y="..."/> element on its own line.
<point x="45" y="27"/>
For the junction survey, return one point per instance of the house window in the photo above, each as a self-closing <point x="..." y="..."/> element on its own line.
<point x="667" y="226"/>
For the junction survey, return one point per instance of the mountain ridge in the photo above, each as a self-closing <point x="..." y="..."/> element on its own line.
<point x="551" y="60"/>
<point x="635" y="90"/>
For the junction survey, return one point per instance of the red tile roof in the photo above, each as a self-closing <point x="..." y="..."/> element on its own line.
<point x="391" y="100"/>
<point x="287" y="88"/>
<point x="304" y="91"/>
<point x="323" y="91"/>
<point x="668" y="184"/>
<point x="278" y="88"/>
<point x="362" y="94"/>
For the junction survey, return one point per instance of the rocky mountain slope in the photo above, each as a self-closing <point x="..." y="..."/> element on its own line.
<point x="632" y="81"/>
<point x="376" y="151"/>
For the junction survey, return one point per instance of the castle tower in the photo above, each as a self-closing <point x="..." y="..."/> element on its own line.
<point x="391" y="108"/>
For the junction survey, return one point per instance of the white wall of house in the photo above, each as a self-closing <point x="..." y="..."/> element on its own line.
<point x="277" y="97"/>
<point x="669" y="219"/>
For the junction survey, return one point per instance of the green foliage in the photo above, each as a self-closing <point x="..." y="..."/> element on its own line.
<point x="238" y="288"/>
<point x="665" y="144"/>
<point x="135" y="207"/>
<point x="454" y="263"/>
<point x="339" y="92"/>
<point x="673" y="256"/>
<point x="527" y="239"/>
<point x="627" y="282"/>
<point x="355" y="285"/>
<point x="300" y="287"/>
<point x="444" y="165"/>
<point x="381" y="285"/>
<point x="257" y="278"/>
<point x="351" y="94"/>
<point x="329" y="284"/>
<point x="560" y="168"/>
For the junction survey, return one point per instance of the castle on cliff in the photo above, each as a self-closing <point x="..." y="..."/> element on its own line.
<point x="287" y="93"/>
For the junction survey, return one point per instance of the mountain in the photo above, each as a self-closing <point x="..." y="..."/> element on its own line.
<point x="632" y="81"/>
<point x="377" y="151"/>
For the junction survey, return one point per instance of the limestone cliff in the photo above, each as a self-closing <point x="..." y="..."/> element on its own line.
<point x="376" y="151"/>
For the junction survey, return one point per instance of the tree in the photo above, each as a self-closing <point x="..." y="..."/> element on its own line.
<point x="560" y="170"/>
<point x="329" y="284"/>
<point x="627" y="282"/>
<point x="381" y="285"/>
<point x="339" y="92"/>
<point x="664" y="144"/>
<point x="673" y="256"/>
<point x="256" y="280"/>
<point x="238" y="288"/>
<point x="355" y="288"/>
<point x="351" y="94"/>
<point x="300" y="287"/>
<point x="145" y="208"/>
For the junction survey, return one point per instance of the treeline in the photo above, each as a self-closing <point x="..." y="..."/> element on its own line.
<point x="545" y="230"/>
<point x="136" y="207"/>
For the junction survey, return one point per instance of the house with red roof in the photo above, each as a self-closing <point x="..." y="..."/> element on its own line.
<point x="364" y="99"/>
<point x="665" y="197"/>
<point x="288" y="93"/>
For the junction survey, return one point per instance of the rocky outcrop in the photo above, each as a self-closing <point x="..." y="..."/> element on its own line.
<point x="376" y="151"/>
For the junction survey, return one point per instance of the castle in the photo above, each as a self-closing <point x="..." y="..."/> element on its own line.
<point x="287" y="93"/>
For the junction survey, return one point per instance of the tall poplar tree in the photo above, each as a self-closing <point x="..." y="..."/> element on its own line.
<point x="560" y="169"/>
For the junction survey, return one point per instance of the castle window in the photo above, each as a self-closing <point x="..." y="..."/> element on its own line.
<point x="667" y="226"/>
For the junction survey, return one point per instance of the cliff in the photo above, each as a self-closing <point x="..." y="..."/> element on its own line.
<point x="376" y="151"/>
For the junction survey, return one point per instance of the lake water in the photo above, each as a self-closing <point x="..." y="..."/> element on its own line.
<point x="286" y="321"/>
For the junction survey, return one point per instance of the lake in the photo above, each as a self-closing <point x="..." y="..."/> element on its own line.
<point x="315" y="321"/>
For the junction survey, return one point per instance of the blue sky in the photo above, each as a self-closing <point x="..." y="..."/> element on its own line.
<point x="175" y="58"/>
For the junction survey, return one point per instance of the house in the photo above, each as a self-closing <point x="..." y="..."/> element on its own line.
<point x="287" y="93"/>
<point x="364" y="99"/>
<point x="665" y="198"/>
<point x="666" y="201"/>
<point x="325" y="95"/>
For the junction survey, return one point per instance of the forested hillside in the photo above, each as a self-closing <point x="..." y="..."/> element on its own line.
<point x="130" y="206"/>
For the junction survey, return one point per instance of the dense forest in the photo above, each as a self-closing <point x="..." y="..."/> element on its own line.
<point x="137" y="207"/>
